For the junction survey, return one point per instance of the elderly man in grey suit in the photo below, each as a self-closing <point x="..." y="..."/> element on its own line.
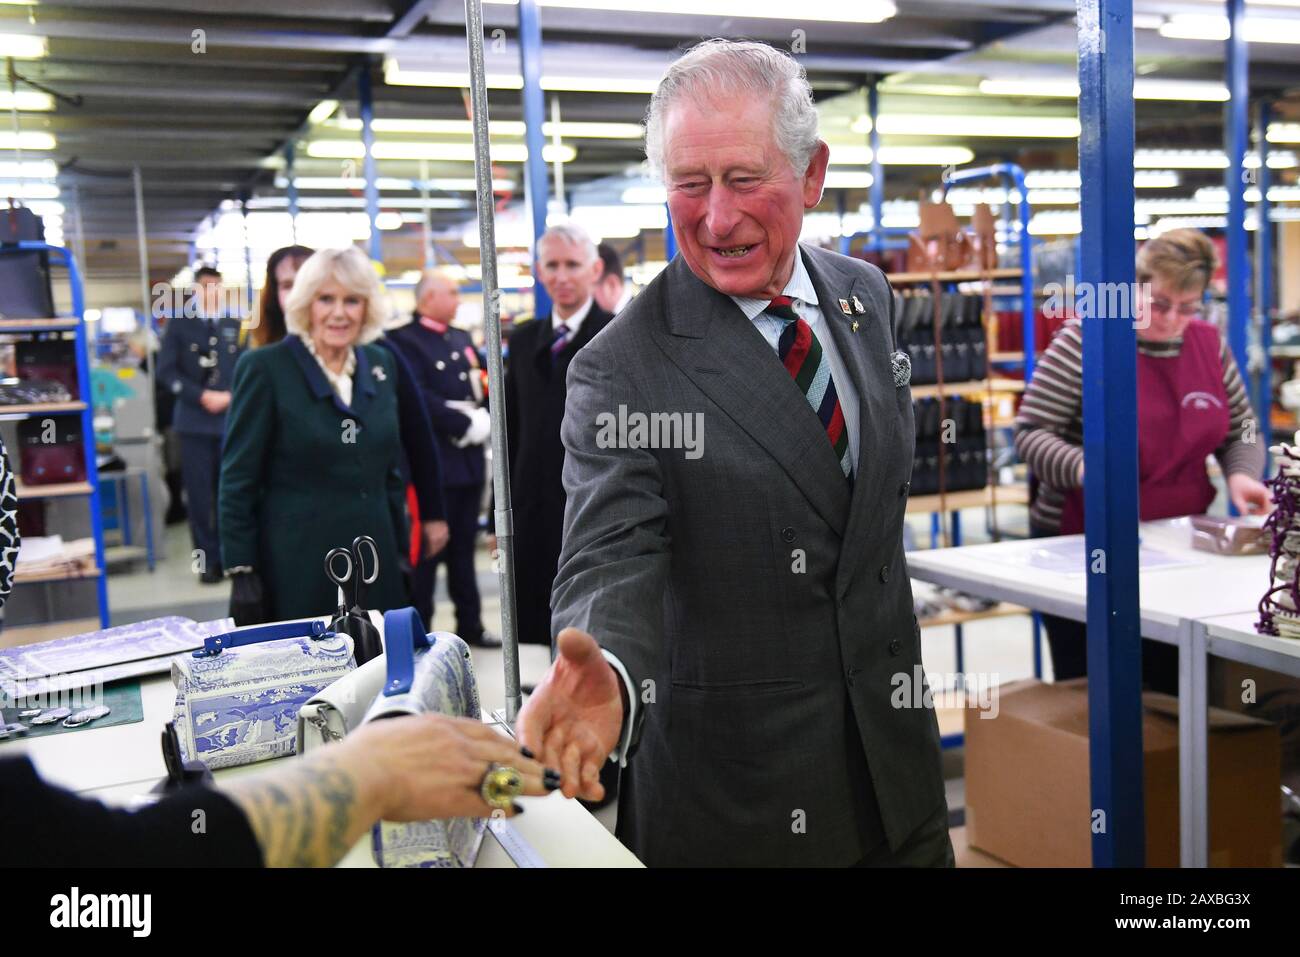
<point x="734" y="602"/>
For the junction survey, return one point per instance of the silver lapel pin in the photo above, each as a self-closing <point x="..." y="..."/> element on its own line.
<point x="378" y="373"/>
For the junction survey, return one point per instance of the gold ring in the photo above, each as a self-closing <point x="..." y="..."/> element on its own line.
<point x="501" y="786"/>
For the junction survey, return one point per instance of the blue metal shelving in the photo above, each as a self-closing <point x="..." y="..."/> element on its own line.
<point x="75" y="323"/>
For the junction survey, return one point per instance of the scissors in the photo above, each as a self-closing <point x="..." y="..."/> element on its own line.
<point x="354" y="579"/>
<point x="355" y="622"/>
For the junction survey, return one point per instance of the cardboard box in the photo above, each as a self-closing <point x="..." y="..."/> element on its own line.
<point x="1027" y="795"/>
<point x="1267" y="695"/>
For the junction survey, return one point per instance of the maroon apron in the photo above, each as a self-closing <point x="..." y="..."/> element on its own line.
<point x="1182" y="418"/>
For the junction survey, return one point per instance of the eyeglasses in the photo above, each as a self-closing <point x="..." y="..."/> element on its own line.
<point x="1190" y="310"/>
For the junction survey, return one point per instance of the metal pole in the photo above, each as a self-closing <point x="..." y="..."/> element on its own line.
<point x="13" y="118"/>
<point x="530" y="62"/>
<point x="1235" y="129"/>
<point x="504" y="521"/>
<point x="248" y="255"/>
<point x="78" y="224"/>
<point x="1117" y="818"/>
<point x="557" y="167"/>
<point x="292" y="192"/>
<point x="368" y="161"/>
<point x="426" y="228"/>
<point x="877" y="194"/>
<point x="148" y="310"/>
<point x="1264" y="285"/>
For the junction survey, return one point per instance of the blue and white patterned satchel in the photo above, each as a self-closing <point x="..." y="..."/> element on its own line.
<point x="426" y="674"/>
<point x="237" y="698"/>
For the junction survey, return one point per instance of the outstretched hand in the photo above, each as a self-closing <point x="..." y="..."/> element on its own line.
<point x="572" y="721"/>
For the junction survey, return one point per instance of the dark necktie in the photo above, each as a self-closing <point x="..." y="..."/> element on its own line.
<point x="802" y="356"/>
<point x="558" y="343"/>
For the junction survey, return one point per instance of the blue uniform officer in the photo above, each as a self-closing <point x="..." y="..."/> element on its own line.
<point x="196" y="364"/>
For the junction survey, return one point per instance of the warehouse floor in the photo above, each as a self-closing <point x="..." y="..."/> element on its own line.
<point x="997" y="650"/>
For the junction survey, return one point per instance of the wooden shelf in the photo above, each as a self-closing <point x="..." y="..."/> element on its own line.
<point x="971" y="498"/>
<point x="44" y="408"/>
<point x="67" y="323"/>
<point x="955" y="617"/>
<point x="1006" y="357"/>
<point x="29" y="579"/>
<point x="59" y="490"/>
<point x="973" y="387"/>
<point x="46" y="631"/>
<point x="966" y="275"/>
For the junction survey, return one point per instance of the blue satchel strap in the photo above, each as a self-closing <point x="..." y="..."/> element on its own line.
<point x="403" y="634"/>
<point x="216" y="644"/>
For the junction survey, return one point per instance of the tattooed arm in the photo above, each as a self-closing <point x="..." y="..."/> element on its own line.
<point x="310" y="812"/>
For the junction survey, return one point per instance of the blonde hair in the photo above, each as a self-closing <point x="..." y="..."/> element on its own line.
<point x="1183" y="259"/>
<point x="354" y="272"/>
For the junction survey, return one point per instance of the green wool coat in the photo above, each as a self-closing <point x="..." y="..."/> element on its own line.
<point x="303" y="473"/>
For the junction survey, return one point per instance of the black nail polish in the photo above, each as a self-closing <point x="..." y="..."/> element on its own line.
<point x="551" y="784"/>
<point x="552" y="773"/>
<point x="518" y="808"/>
<point x="527" y="753"/>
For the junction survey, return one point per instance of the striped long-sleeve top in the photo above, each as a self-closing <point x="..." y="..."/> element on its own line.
<point x="1049" y="426"/>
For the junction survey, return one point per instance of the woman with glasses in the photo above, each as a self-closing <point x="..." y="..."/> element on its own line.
<point x="1191" y="404"/>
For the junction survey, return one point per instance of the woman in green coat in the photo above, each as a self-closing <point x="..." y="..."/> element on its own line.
<point x="312" y="450"/>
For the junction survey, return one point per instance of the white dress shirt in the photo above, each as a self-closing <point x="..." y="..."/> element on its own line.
<point x="574" y="322"/>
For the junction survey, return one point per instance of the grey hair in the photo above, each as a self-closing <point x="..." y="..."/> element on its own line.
<point x="429" y="275"/>
<point x="571" y="232"/>
<point x="731" y="66"/>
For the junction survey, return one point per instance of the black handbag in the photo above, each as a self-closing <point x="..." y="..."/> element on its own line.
<point x="25" y="291"/>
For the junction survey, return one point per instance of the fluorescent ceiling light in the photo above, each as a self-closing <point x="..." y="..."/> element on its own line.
<point x="1206" y="159"/>
<point x="37" y="169"/>
<point x="612" y="131"/>
<point x="23" y="46"/>
<point x="388" y="220"/>
<point x="832" y="11"/>
<point x="29" y="190"/>
<point x="845" y="155"/>
<point x="1143" y="89"/>
<point x="26" y="100"/>
<point x="448" y="152"/>
<point x="1053" y="197"/>
<point x="929" y="124"/>
<point x="27" y="141"/>
<point x="1284" y="132"/>
<point x="1276" y="194"/>
<point x="645" y="195"/>
<point x="459" y="79"/>
<point x="848" y="179"/>
<point x="1196" y="26"/>
<point x="1069" y="179"/>
<point x="322" y="111"/>
<point x="389" y="184"/>
<point x="356" y="202"/>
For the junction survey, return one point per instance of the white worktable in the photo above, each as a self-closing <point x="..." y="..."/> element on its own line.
<point x="1223" y="636"/>
<point x="1210" y="585"/>
<point x="1173" y="602"/>
<point x="119" y="764"/>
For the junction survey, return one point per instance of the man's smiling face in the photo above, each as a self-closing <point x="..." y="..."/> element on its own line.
<point x="737" y="206"/>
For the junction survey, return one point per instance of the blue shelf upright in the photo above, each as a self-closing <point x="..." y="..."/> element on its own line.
<point x="84" y="407"/>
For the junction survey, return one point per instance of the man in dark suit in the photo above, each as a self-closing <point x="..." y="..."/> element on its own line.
<point x="540" y="353"/>
<point x="195" y="364"/>
<point x="446" y="368"/>
<point x="733" y="594"/>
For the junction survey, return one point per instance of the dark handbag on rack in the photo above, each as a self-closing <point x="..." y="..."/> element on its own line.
<point x="918" y="342"/>
<point x="51" y="359"/>
<point x="25" y="291"/>
<point x="52" y="450"/>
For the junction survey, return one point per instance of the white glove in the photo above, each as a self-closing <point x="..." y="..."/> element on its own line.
<point x="480" y="423"/>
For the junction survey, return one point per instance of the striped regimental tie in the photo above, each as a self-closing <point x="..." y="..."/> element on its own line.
<point x="802" y="356"/>
<point x="559" y="342"/>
